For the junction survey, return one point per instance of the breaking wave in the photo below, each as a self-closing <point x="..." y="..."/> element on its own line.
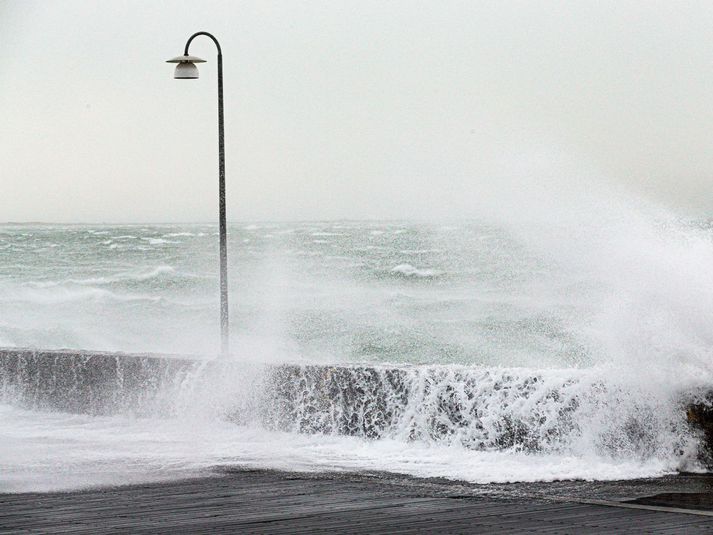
<point x="158" y="272"/>
<point x="565" y="412"/>
<point x="407" y="270"/>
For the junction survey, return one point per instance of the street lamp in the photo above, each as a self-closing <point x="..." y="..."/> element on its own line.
<point x="186" y="70"/>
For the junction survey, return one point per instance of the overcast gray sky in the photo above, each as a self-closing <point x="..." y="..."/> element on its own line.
<point x="349" y="109"/>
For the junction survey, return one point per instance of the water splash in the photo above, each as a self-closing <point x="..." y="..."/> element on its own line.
<point x="564" y="412"/>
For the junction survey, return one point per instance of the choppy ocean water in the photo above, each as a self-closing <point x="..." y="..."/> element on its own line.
<point x="614" y="318"/>
<point x="339" y="291"/>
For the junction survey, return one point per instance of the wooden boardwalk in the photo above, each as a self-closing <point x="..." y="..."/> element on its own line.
<point x="274" y="502"/>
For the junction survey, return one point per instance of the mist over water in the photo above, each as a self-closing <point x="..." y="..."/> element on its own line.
<point x="378" y="292"/>
<point x="606" y="301"/>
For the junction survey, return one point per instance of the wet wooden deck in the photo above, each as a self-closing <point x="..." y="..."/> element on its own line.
<point x="273" y="502"/>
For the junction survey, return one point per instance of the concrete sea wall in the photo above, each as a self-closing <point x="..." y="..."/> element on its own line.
<point x="472" y="407"/>
<point x="88" y="382"/>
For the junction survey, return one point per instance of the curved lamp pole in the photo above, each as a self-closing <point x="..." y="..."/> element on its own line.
<point x="186" y="70"/>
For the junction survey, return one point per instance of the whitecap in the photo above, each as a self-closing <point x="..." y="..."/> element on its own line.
<point x="59" y="295"/>
<point x="158" y="241"/>
<point x="155" y="272"/>
<point x="408" y="270"/>
<point x="130" y="276"/>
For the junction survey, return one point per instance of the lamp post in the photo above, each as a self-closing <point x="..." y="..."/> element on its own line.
<point x="186" y="70"/>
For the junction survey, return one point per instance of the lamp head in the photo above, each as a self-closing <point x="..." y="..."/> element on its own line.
<point x="186" y="67"/>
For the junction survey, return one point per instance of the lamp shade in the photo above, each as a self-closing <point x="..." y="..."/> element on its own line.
<point x="186" y="67"/>
<point x="185" y="59"/>
<point x="186" y="71"/>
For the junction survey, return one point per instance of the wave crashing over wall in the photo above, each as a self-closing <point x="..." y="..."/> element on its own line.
<point x="484" y="409"/>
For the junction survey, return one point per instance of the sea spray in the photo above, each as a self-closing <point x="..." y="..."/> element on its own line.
<point x="584" y="413"/>
<point x="560" y="347"/>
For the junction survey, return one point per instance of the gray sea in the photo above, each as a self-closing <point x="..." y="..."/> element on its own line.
<point x="375" y="292"/>
<point x="613" y="315"/>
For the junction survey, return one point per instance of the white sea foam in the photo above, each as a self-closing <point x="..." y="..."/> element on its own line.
<point x="408" y="270"/>
<point x="138" y="276"/>
<point x="155" y="272"/>
<point x="158" y="241"/>
<point x="478" y="425"/>
<point x="89" y="451"/>
<point x="56" y="295"/>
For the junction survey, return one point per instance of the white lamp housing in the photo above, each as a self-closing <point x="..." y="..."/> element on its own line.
<point x="186" y="67"/>
<point x="186" y="71"/>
